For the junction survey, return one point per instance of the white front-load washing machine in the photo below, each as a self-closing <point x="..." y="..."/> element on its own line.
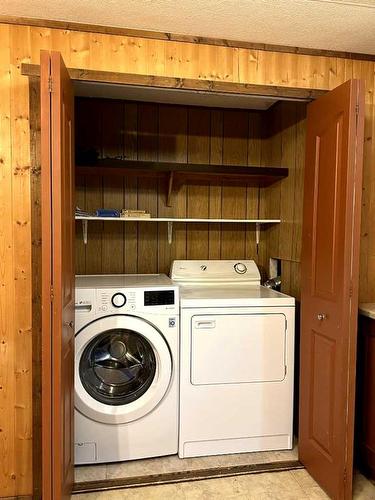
<point x="126" y="367"/>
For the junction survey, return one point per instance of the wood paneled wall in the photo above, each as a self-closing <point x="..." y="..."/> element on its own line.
<point x="284" y="144"/>
<point x="128" y="130"/>
<point x="134" y="55"/>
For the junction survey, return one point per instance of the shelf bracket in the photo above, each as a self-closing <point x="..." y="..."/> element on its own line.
<point x="84" y="231"/>
<point x="170" y="189"/>
<point x="170" y="232"/>
<point x="257" y="235"/>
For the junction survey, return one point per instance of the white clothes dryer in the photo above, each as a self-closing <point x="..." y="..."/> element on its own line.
<point x="236" y="360"/>
<point x="126" y="367"/>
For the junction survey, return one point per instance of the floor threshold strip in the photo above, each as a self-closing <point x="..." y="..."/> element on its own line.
<point x="191" y="475"/>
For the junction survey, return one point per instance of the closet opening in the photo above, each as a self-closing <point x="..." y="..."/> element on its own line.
<point x="118" y="134"/>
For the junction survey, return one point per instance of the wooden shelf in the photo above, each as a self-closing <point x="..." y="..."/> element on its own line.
<point x="178" y="173"/>
<point x="171" y="220"/>
<point x="176" y="219"/>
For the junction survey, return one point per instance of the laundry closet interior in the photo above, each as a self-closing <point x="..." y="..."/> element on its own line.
<point x="145" y="131"/>
<point x="120" y="130"/>
<point x="221" y="173"/>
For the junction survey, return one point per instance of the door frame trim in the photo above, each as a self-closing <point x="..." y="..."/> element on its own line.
<point x="184" y="84"/>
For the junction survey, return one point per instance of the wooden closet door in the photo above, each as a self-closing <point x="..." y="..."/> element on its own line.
<point x="329" y="294"/>
<point x="57" y="108"/>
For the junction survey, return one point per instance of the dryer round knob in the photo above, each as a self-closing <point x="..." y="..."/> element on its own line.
<point x="118" y="300"/>
<point x="240" y="268"/>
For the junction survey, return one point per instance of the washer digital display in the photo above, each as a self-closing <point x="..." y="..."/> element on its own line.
<point x="159" y="297"/>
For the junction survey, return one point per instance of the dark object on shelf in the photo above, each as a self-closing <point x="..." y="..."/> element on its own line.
<point x="86" y="156"/>
<point x="107" y="212"/>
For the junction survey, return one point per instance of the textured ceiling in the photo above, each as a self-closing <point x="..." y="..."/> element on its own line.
<point x="322" y="24"/>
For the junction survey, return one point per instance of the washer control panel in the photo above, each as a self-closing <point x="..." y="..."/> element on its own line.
<point x="115" y="300"/>
<point x="133" y="300"/>
<point x="118" y="299"/>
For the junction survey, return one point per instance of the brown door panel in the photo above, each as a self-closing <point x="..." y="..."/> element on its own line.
<point x="329" y="298"/>
<point x="57" y="123"/>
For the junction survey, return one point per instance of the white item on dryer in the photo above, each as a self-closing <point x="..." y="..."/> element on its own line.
<point x="236" y="360"/>
<point x="126" y="367"/>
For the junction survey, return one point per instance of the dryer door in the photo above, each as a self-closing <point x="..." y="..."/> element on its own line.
<point x="238" y="348"/>
<point x="123" y="368"/>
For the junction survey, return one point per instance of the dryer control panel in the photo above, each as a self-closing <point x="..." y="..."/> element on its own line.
<point x="215" y="271"/>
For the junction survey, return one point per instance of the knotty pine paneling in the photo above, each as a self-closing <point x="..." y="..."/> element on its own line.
<point x="128" y="130"/>
<point x="284" y="144"/>
<point x="134" y="55"/>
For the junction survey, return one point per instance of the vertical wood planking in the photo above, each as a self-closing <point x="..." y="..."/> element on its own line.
<point x="8" y="481"/>
<point x="252" y="194"/>
<point x="287" y="187"/>
<point x="147" y="188"/>
<point x="21" y="216"/>
<point x="130" y="187"/>
<point x="284" y="146"/>
<point x="365" y="71"/>
<point x="88" y="132"/>
<point x="113" y="234"/>
<point x="269" y="198"/>
<point x="88" y="141"/>
<point x="299" y="182"/>
<point x="94" y="248"/>
<point x="198" y="194"/>
<point x="215" y="189"/>
<point x="112" y="113"/>
<point x="234" y="197"/>
<point x="172" y="147"/>
<point x="80" y="255"/>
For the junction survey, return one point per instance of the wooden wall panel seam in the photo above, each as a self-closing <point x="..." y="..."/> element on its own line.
<point x="8" y="482"/>
<point x="21" y="215"/>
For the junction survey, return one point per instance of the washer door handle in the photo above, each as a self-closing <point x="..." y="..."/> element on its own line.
<point x="83" y="307"/>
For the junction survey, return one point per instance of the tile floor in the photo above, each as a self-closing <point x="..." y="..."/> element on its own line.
<point x="172" y="463"/>
<point x="290" y="485"/>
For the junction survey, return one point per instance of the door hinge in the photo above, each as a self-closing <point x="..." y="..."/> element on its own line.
<point x="50" y="84"/>
<point x="351" y="289"/>
<point x="357" y="109"/>
<point x="51" y="293"/>
<point x="345" y="478"/>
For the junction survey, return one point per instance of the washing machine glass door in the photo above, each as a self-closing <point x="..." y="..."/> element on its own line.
<point x="117" y="366"/>
<point x="123" y="369"/>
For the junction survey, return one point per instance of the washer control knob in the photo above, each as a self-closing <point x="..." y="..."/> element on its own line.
<point x="118" y="300"/>
<point x="240" y="268"/>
